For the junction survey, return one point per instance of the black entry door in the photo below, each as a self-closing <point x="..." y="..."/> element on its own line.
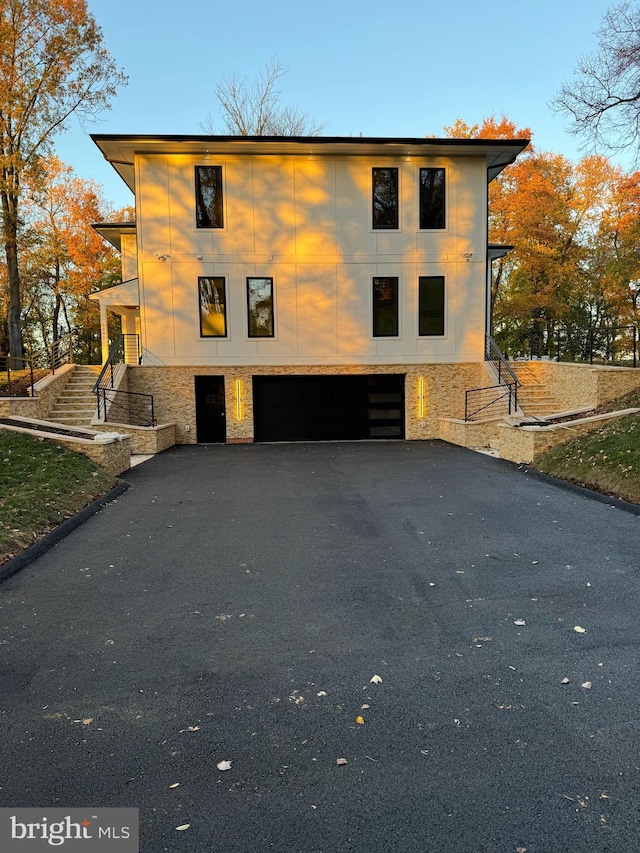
<point x="210" y="410"/>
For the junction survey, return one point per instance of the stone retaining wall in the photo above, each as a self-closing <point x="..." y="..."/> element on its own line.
<point x="527" y="444"/>
<point x="173" y="390"/>
<point x="145" y="440"/>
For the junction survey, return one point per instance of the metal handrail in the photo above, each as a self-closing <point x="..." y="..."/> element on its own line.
<point x="122" y="402"/>
<point x="21" y="366"/>
<point x="493" y="353"/>
<point x="508" y="391"/>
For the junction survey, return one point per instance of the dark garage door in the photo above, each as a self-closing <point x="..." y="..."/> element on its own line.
<point x="328" y="408"/>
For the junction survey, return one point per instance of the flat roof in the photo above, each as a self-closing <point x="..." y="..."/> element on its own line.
<point x="120" y="149"/>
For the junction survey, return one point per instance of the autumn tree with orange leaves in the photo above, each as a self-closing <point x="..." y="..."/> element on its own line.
<point x="64" y="260"/>
<point x="575" y="236"/>
<point x="53" y="65"/>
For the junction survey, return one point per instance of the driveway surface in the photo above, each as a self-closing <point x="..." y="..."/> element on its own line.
<point x="235" y="604"/>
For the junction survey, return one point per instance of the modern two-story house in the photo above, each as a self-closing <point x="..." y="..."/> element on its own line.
<point x="305" y="288"/>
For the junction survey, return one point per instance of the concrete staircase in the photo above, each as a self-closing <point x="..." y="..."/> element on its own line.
<point x="76" y="405"/>
<point x="534" y="397"/>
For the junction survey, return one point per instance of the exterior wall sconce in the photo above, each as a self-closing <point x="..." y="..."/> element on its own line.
<point x="239" y="413"/>
<point x="162" y="256"/>
<point x="467" y="256"/>
<point x="421" y="397"/>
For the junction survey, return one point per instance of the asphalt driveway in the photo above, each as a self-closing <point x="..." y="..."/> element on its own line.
<point x="235" y="604"/>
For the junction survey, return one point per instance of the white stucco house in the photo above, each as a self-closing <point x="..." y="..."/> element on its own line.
<point x="304" y="288"/>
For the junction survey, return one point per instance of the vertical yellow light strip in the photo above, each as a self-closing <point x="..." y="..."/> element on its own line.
<point x="421" y="397"/>
<point x="238" y="399"/>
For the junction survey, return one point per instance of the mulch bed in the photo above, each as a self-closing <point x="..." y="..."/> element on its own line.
<point x="43" y="428"/>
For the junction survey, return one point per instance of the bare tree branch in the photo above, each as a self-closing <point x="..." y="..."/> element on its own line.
<point x="254" y="108"/>
<point x="603" y="98"/>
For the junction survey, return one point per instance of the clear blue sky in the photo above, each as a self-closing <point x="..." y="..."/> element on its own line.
<point x="357" y="66"/>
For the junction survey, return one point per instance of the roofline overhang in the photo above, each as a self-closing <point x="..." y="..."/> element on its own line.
<point x="113" y="231"/>
<point x="121" y="149"/>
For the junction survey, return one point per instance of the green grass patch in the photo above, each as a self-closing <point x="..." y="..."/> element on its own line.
<point x="607" y="460"/>
<point x="41" y="484"/>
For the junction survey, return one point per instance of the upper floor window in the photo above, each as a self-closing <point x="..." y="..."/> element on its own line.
<point x="432" y="198"/>
<point x="213" y="306"/>
<point x="260" y="307"/>
<point x="209" y="208"/>
<point x="431" y="305"/>
<point x="385" y="198"/>
<point x="385" y="307"/>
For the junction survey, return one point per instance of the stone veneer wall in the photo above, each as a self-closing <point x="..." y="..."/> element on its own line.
<point x="38" y="407"/>
<point x="578" y="385"/>
<point x="145" y="440"/>
<point x="173" y="389"/>
<point x="527" y="444"/>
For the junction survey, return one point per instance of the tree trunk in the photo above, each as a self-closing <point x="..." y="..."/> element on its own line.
<point x="10" y="235"/>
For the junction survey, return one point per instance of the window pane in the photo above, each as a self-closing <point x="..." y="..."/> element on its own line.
<point x="432" y="198"/>
<point x="213" y="314"/>
<point x="385" y="307"/>
<point x="260" y="304"/>
<point x="431" y="308"/>
<point x="385" y="198"/>
<point x="209" y="197"/>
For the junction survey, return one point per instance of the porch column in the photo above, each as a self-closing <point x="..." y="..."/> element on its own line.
<point x="104" y="332"/>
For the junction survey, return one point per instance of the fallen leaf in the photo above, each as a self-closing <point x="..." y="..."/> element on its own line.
<point x="587" y="685"/>
<point x="564" y="681"/>
<point x="322" y="693"/>
<point x="579" y="630"/>
<point x="521" y="850"/>
<point x="364" y="707"/>
<point x="519" y="622"/>
<point x="342" y="761"/>
<point x="223" y="765"/>
<point x="175" y="785"/>
<point x="183" y="826"/>
<point x="193" y="728"/>
<point x="360" y="720"/>
<point x="376" y="680"/>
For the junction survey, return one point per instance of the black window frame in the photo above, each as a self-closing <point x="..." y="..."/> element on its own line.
<point x="427" y="319"/>
<point x="377" y="309"/>
<point x="221" y="279"/>
<point x="385" y="218"/>
<point x="205" y="217"/>
<point x="251" y="334"/>
<point x="433" y="207"/>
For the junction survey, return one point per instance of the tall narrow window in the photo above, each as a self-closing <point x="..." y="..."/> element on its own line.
<point x="209" y="208"/>
<point x="432" y="198"/>
<point x="431" y="305"/>
<point x="385" y="198"/>
<point x="385" y="307"/>
<point x="213" y="306"/>
<point x="260" y="307"/>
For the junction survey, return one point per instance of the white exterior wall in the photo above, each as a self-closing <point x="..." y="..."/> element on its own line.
<point x="128" y="256"/>
<point x="306" y="222"/>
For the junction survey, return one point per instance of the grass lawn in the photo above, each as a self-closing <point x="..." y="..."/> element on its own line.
<point x="607" y="460"/>
<point x="41" y="484"/>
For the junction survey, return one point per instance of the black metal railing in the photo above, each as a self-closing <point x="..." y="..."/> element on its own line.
<point x="122" y="351"/>
<point x="613" y="345"/>
<point x="126" y="407"/>
<point x="493" y="354"/>
<point x="492" y="401"/>
<point x="53" y="356"/>
<point x="16" y="377"/>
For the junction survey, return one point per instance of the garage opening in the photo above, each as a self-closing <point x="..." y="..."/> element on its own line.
<point x="328" y="408"/>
